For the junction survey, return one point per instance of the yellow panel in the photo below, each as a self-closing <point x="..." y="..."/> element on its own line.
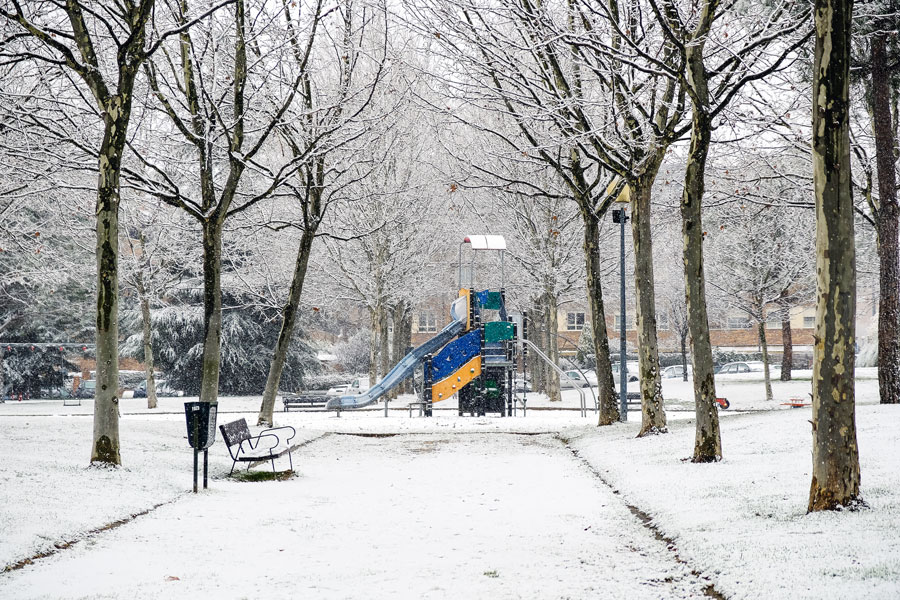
<point x="465" y="292"/>
<point x="624" y="195"/>
<point x="448" y="386"/>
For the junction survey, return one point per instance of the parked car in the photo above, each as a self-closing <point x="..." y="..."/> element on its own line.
<point x="164" y="390"/>
<point x="86" y="389"/>
<point x="744" y="368"/>
<point x="576" y="379"/>
<point x="631" y="370"/>
<point x="676" y="371"/>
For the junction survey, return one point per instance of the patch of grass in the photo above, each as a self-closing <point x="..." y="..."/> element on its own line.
<point x="263" y="475"/>
<point x="492" y="574"/>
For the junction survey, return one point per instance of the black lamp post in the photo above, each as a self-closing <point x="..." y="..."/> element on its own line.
<point x="619" y="216"/>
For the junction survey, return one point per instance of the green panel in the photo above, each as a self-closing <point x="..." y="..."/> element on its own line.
<point x="494" y="301"/>
<point x="497" y="331"/>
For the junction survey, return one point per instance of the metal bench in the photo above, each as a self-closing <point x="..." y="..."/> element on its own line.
<point x="268" y="445"/>
<point x="417" y="404"/>
<point x="304" y="401"/>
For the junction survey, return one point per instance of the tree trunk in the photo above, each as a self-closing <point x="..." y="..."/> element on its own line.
<point x="606" y="389"/>
<point x="402" y="328"/>
<point x="148" y="340"/>
<point x="212" y="309"/>
<point x="373" y="345"/>
<point x="536" y="335"/>
<point x="553" y="390"/>
<point x="835" y="472"/>
<point x="384" y="346"/>
<point x="288" y="320"/>
<point x="888" y="227"/>
<point x="787" y="358"/>
<point x="708" y="442"/>
<point x="763" y="344"/>
<point x="653" y="415"/>
<point x="105" y="447"/>
<point x="684" y="363"/>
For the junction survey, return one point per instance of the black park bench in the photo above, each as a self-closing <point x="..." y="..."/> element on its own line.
<point x="268" y="445"/>
<point x="308" y="400"/>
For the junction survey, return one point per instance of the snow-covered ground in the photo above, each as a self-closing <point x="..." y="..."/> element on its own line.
<point x="448" y="507"/>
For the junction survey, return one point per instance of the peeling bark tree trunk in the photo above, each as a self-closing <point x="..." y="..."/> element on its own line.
<point x="787" y="343"/>
<point x="553" y="390"/>
<point x="835" y="469"/>
<point x="148" y="339"/>
<point x="684" y="362"/>
<point x="708" y="442"/>
<point x="105" y="447"/>
<point x="288" y="321"/>
<point x="764" y="346"/>
<point x="653" y="415"/>
<point x="888" y="223"/>
<point x="212" y="309"/>
<point x="606" y="389"/>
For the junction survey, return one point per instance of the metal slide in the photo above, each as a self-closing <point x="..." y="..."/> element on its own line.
<point x="459" y="312"/>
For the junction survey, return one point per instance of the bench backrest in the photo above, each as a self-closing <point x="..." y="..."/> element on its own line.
<point x="235" y="432"/>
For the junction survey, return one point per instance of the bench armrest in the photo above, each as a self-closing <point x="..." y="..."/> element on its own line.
<point x="284" y="430"/>
<point x="271" y="441"/>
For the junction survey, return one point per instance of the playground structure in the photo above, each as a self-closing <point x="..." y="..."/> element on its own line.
<point x="474" y="357"/>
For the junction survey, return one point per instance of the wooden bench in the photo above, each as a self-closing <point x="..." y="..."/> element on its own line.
<point x="267" y="445"/>
<point x="304" y="401"/>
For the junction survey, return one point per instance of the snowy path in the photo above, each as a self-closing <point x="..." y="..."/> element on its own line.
<point x="413" y="516"/>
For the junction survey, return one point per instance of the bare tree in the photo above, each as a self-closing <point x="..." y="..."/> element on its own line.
<point x="224" y="99"/>
<point x="715" y="64"/>
<point x="329" y="119"/>
<point x="500" y="60"/>
<point x="155" y="261"/>
<point x="759" y="263"/>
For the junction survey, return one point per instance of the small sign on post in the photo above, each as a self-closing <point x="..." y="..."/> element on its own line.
<point x="201" y="430"/>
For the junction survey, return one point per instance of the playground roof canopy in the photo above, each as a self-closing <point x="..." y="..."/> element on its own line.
<point x="486" y="242"/>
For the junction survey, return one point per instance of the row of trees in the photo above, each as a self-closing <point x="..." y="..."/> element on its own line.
<point x="318" y="119"/>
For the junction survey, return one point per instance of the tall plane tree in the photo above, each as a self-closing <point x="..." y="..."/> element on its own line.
<point x="835" y="469"/>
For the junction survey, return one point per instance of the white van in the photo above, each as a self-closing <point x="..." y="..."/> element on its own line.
<point x="358" y="386"/>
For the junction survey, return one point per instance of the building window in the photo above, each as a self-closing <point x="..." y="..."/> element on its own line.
<point x="809" y="322"/>
<point x="628" y="325"/>
<point x="574" y="321"/>
<point x="738" y="322"/>
<point x="427" y="323"/>
<point x="662" y="322"/>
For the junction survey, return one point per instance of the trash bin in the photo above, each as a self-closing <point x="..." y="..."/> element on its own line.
<point x="201" y="423"/>
<point x="201" y="429"/>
